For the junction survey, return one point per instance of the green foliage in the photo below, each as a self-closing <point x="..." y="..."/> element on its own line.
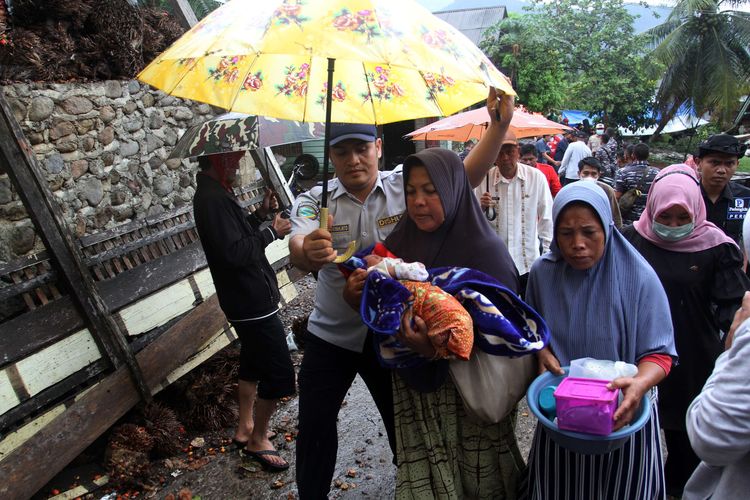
<point x="534" y="65"/>
<point x="704" y="49"/>
<point x="604" y="59"/>
<point x="579" y="54"/>
<point x="744" y="164"/>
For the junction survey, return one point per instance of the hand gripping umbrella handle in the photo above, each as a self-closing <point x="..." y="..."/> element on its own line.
<point x="350" y="248"/>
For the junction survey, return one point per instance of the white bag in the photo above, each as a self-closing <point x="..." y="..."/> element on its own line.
<point x="491" y="386"/>
<point x="601" y="369"/>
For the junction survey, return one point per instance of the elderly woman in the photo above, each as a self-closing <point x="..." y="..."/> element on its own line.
<point x="441" y="452"/>
<point x="607" y="303"/>
<point x="700" y="269"/>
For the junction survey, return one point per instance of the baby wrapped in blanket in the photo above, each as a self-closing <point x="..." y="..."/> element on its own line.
<point x="462" y="308"/>
<point x="449" y="326"/>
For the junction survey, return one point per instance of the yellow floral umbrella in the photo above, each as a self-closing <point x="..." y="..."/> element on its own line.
<point x="393" y="61"/>
<point x="354" y="61"/>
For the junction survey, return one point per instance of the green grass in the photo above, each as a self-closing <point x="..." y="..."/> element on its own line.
<point x="744" y="164"/>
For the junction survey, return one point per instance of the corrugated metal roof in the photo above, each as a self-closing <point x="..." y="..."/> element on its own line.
<point x="473" y="22"/>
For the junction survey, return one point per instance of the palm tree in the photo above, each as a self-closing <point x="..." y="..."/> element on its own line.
<point x="704" y="47"/>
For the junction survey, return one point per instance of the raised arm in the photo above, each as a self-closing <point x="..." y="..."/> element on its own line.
<point x="484" y="154"/>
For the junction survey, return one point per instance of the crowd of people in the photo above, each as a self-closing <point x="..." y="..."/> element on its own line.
<point x="624" y="261"/>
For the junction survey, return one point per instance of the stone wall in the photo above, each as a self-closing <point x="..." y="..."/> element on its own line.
<point x="103" y="147"/>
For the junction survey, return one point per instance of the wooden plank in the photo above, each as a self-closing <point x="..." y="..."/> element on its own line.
<point x="288" y="293"/>
<point x="30" y="466"/>
<point x="184" y="13"/>
<point x="157" y="308"/>
<point x="27" y="333"/>
<point x="22" y="287"/>
<point x="277" y="250"/>
<point x="129" y="227"/>
<point x="14" y="439"/>
<point x="205" y="283"/>
<point x="52" y="395"/>
<point x="282" y="278"/>
<point x="33" y="330"/>
<point x="149" y="278"/>
<point x="222" y="339"/>
<point x="22" y="262"/>
<point x="8" y="397"/>
<point x="56" y="362"/>
<point x="267" y="160"/>
<point x="18" y="160"/>
<point x="81" y="490"/>
<point x="27" y="299"/>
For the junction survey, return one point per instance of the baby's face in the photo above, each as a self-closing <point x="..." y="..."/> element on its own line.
<point x="372" y="260"/>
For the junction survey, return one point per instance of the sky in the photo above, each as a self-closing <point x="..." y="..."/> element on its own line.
<point x="434" y="5"/>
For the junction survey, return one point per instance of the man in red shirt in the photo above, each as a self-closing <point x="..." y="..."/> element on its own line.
<point x="528" y="157"/>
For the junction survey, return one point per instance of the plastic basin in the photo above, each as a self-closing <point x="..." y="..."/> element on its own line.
<point x="588" y="444"/>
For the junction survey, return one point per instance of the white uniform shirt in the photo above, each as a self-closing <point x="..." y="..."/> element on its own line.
<point x="524" y="213"/>
<point x="332" y="319"/>
<point x="576" y="152"/>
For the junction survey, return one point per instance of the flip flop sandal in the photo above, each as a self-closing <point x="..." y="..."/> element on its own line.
<point x="241" y="444"/>
<point x="260" y="456"/>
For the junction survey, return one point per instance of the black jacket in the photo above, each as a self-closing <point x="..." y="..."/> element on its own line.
<point x="235" y="250"/>
<point x="724" y="214"/>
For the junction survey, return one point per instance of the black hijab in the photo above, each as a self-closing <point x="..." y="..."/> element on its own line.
<point x="465" y="239"/>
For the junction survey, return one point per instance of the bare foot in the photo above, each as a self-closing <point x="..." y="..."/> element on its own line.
<point x="243" y="435"/>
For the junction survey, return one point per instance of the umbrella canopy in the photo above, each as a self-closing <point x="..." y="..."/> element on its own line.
<point x="239" y="132"/>
<point x="393" y="61"/>
<point x="472" y="124"/>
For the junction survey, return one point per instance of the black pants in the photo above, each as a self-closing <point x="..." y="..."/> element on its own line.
<point x="325" y="376"/>
<point x="681" y="461"/>
<point x="264" y="357"/>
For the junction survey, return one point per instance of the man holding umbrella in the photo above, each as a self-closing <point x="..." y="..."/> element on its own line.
<point x="365" y="204"/>
<point x="234" y="242"/>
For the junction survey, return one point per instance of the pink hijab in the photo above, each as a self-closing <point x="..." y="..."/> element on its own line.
<point x="678" y="185"/>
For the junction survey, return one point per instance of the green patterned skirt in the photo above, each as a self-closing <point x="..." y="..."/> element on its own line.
<point x="445" y="454"/>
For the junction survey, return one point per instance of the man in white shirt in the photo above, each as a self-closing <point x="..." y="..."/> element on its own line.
<point x="520" y="197"/>
<point x="577" y="151"/>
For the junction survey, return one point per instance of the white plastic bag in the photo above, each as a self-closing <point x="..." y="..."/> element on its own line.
<point x="290" y="343"/>
<point x="601" y="369"/>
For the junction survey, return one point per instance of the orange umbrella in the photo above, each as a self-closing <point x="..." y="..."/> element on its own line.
<point x="472" y="124"/>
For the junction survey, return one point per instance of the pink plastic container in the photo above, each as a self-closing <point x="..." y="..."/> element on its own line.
<point x="586" y="405"/>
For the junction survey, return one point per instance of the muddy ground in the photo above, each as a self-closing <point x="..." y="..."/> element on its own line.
<point x="211" y="468"/>
<point x="363" y="467"/>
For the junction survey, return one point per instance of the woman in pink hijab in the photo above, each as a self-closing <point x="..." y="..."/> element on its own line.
<point x="701" y="271"/>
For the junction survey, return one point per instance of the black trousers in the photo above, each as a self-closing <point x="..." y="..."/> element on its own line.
<point x="325" y="376"/>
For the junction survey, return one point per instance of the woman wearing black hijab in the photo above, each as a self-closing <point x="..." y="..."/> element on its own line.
<point x="442" y="453"/>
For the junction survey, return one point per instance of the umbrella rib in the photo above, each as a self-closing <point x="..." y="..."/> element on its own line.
<point x="244" y="77"/>
<point x="209" y="50"/>
<point x="307" y="93"/>
<point x="369" y="91"/>
<point x="433" y="98"/>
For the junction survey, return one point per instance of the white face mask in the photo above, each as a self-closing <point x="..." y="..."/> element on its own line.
<point x="588" y="179"/>
<point x="599" y="132"/>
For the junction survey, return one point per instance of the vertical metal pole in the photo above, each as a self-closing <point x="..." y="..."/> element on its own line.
<point x="327" y="147"/>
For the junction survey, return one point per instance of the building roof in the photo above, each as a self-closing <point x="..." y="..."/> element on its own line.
<point x="473" y="22"/>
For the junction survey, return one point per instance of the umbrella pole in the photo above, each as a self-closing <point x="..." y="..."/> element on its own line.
<point x="326" y="147"/>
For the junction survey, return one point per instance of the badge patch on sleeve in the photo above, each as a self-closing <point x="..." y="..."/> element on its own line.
<point x="308" y="210"/>
<point x="738" y="208"/>
<point x="387" y="221"/>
